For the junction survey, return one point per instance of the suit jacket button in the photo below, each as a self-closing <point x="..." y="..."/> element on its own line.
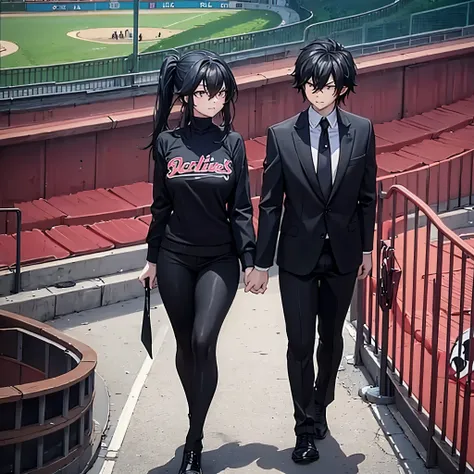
<point x="323" y="236"/>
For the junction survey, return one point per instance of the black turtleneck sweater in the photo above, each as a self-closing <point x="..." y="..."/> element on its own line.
<point x="201" y="194"/>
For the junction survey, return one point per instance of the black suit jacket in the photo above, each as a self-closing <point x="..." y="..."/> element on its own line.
<point x="349" y="213"/>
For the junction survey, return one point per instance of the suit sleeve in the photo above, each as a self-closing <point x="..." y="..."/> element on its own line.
<point x="368" y="194"/>
<point x="161" y="207"/>
<point x="271" y="204"/>
<point x="240" y="208"/>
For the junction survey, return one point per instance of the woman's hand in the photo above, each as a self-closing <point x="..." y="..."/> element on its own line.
<point x="149" y="271"/>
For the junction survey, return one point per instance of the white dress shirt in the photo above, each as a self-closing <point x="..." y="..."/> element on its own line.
<point x="334" y="143"/>
<point x="315" y="135"/>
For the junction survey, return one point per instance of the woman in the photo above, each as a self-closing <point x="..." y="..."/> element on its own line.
<point x="202" y="223"/>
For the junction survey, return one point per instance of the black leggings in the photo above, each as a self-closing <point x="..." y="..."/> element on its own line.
<point x="197" y="293"/>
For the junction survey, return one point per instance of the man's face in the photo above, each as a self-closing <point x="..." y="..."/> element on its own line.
<point x="323" y="99"/>
<point x="204" y="105"/>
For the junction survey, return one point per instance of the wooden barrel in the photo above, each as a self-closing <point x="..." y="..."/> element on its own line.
<point x="46" y="398"/>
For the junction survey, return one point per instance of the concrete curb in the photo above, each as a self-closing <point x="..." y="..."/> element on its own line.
<point x="51" y="302"/>
<point x="85" y="267"/>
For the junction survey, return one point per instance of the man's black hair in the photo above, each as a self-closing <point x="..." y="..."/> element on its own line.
<point x="320" y="60"/>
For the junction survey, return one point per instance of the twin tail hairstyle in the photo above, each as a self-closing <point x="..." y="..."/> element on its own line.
<point x="178" y="80"/>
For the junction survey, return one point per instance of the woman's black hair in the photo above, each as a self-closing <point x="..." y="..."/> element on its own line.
<point x="179" y="78"/>
<point x="321" y="59"/>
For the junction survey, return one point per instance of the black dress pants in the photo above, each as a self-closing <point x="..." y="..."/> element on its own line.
<point x="325" y="293"/>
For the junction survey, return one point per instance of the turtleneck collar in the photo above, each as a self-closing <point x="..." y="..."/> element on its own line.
<point x="201" y="125"/>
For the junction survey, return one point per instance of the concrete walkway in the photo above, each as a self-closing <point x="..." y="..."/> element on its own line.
<point x="250" y="424"/>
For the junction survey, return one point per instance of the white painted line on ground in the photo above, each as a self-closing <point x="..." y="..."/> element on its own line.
<point x="127" y="412"/>
<point x="107" y="467"/>
<point x="351" y="329"/>
<point x="187" y="19"/>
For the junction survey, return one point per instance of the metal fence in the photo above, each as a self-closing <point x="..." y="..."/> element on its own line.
<point x="353" y="31"/>
<point x="452" y="16"/>
<point x="152" y="61"/>
<point x="128" y="81"/>
<point x="287" y="34"/>
<point x="415" y="316"/>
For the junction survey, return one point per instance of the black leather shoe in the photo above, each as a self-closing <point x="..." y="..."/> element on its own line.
<point x="320" y="422"/>
<point x="191" y="463"/>
<point x="305" y="451"/>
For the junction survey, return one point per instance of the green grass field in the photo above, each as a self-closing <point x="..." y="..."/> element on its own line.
<point x="42" y="39"/>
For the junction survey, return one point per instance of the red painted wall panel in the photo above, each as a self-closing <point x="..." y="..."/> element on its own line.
<point x="430" y="85"/>
<point x="73" y="157"/>
<point x="275" y="103"/>
<point x="22" y="173"/>
<point x="67" y="113"/>
<point x="120" y="159"/>
<point x="4" y="119"/>
<point x="460" y="78"/>
<point x="245" y="112"/>
<point x="378" y="96"/>
<point x="143" y="101"/>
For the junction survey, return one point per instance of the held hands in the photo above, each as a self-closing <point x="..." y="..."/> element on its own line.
<point x="366" y="266"/>
<point x="149" y="271"/>
<point x="255" y="281"/>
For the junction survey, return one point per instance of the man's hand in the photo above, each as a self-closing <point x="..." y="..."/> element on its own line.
<point x="256" y="282"/>
<point x="247" y="273"/>
<point x="366" y="266"/>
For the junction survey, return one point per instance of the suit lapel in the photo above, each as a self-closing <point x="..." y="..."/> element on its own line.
<point x="346" y="137"/>
<point x="302" y="145"/>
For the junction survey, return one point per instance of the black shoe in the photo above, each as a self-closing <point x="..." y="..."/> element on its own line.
<point x="305" y="451"/>
<point x="191" y="463"/>
<point x="320" y="422"/>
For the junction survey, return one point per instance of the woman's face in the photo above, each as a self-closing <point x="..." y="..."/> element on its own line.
<point x="206" y="106"/>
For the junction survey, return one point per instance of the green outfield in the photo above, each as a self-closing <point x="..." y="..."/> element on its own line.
<point x="43" y="38"/>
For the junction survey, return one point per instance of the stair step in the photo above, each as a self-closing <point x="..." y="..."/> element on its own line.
<point x="84" y="267"/>
<point x="51" y="302"/>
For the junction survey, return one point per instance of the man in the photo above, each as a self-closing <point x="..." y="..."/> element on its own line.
<point x="322" y="162"/>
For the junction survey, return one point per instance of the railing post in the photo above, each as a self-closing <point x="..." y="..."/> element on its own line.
<point x="136" y="9"/>
<point x="431" y="457"/>
<point x="358" y="304"/>
<point x="17" y="284"/>
<point x="386" y="291"/>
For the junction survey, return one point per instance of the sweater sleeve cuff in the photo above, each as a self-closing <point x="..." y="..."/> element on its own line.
<point x="152" y="254"/>
<point x="247" y="259"/>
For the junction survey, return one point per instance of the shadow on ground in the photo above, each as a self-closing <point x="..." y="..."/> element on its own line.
<point x="235" y="456"/>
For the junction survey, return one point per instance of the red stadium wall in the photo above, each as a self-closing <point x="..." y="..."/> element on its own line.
<point x="70" y="149"/>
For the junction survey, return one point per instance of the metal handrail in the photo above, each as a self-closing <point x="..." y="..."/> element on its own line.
<point x="442" y="433"/>
<point x="140" y="79"/>
<point x="223" y="39"/>
<point x="432" y="216"/>
<point x="17" y="285"/>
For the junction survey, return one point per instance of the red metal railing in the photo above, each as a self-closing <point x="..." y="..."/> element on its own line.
<point x="424" y="339"/>
<point x="444" y="185"/>
<point x="17" y="212"/>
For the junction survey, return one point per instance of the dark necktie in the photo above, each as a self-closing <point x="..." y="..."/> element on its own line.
<point x="324" y="159"/>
